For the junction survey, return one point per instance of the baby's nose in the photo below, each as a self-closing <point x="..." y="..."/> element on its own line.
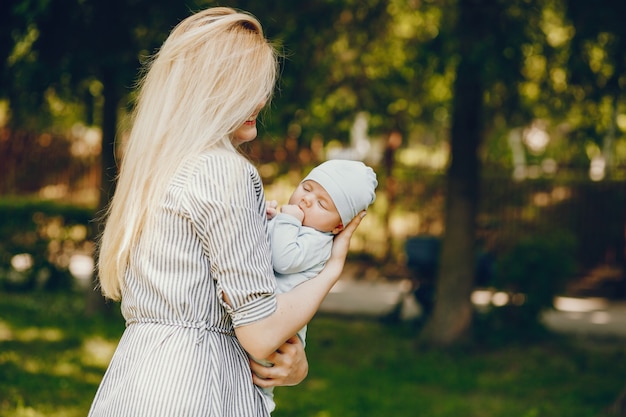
<point x="307" y="199"/>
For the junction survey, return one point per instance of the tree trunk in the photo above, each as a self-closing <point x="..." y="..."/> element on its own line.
<point x="108" y="174"/>
<point x="451" y="320"/>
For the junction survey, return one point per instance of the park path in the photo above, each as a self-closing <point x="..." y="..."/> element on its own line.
<point x="587" y="317"/>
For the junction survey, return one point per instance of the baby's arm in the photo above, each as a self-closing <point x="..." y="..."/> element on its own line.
<point x="293" y="251"/>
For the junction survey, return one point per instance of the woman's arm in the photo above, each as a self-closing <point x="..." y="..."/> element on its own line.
<point x="296" y="307"/>
<point x="290" y="366"/>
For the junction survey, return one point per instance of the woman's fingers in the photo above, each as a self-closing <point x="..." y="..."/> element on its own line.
<point x="290" y="366"/>
<point x="351" y="227"/>
<point x="341" y="243"/>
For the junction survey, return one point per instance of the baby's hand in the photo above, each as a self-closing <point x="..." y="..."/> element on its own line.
<point x="292" y="210"/>
<point x="270" y="209"/>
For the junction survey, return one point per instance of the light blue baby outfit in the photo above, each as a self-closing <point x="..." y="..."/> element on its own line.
<point x="299" y="253"/>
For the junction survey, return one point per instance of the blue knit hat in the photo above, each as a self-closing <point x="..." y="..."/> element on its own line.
<point x="351" y="185"/>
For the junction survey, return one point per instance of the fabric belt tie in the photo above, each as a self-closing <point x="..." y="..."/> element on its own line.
<point x="203" y="326"/>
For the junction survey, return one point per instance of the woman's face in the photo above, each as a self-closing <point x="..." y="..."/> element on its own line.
<point x="247" y="131"/>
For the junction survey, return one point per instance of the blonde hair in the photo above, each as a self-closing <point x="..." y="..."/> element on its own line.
<point x="208" y="78"/>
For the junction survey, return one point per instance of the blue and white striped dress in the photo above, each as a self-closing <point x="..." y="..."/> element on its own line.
<point x="178" y="355"/>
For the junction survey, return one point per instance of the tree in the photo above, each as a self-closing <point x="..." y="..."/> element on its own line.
<point x="452" y="313"/>
<point x="85" y="52"/>
<point x="487" y="36"/>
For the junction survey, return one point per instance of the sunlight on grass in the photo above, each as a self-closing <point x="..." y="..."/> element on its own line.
<point x="9" y="357"/>
<point x="29" y="334"/>
<point x="97" y="351"/>
<point x="65" y="368"/>
<point x="22" y="411"/>
<point x="27" y="412"/>
<point x="5" y="331"/>
<point x="32" y="334"/>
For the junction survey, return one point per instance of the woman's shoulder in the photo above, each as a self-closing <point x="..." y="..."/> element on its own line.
<point x="220" y="170"/>
<point x="223" y="164"/>
<point x="224" y="157"/>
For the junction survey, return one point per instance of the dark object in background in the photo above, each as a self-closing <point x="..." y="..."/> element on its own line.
<point x="422" y="254"/>
<point x="422" y="258"/>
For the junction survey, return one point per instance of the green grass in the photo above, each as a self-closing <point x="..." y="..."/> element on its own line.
<point x="363" y="368"/>
<point x="52" y="358"/>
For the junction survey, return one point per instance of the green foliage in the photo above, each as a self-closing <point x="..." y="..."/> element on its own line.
<point x="394" y="60"/>
<point x="45" y="234"/>
<point x="538" y="266"/>
<point x="532" y="272"/>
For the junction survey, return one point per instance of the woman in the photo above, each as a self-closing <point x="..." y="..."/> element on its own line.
<point x="185" y="245"/>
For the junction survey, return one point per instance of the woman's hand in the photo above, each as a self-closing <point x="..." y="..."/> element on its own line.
<point x="270" y="209"/>
<point x="290" y="366"/>
<point x="293" y="210"/>
<point x="341" y="244"/>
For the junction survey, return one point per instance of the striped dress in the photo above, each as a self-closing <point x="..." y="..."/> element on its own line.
<point x="179" y="355"/>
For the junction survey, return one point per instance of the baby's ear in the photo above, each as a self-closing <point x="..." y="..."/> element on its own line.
<point x="337" y="229"/>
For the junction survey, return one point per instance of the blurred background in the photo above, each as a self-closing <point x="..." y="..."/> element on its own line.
<point x="496" y="128"/>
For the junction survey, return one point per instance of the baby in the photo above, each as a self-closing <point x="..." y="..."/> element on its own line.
<point x="301" y="235"/>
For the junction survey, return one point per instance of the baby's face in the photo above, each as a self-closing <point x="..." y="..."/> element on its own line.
<point x="319" y="209"/>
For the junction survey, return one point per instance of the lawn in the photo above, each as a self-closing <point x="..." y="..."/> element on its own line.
<point x="52" y="357"/>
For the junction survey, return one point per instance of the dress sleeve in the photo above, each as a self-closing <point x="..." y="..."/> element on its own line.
<point x="227" y="207"/>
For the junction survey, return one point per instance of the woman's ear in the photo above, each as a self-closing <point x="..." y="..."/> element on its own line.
<point x="337" y="229"/>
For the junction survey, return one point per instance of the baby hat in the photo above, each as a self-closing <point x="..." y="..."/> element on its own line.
<point x="350" y="184"/>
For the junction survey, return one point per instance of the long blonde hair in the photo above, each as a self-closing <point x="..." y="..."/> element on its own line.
<point x="210" y="75"/>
